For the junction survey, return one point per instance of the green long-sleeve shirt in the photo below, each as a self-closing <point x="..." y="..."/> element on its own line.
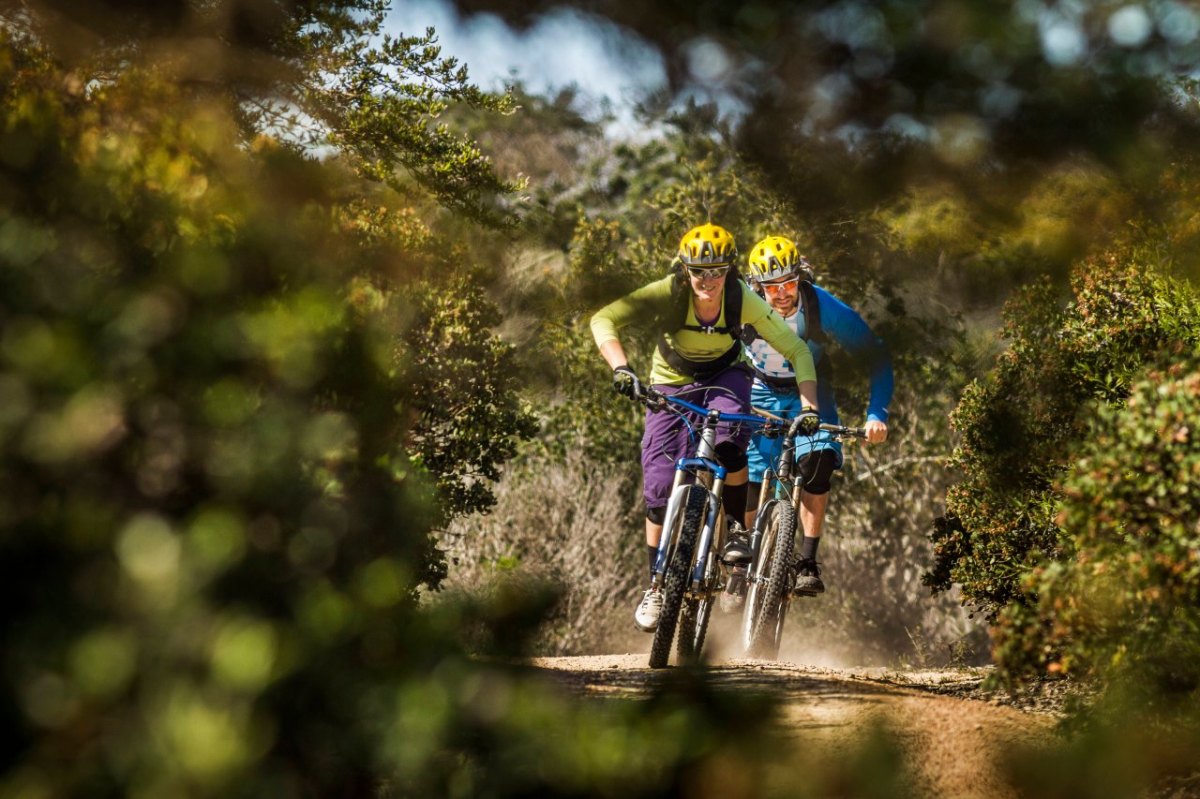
<point x="644" y="306"/>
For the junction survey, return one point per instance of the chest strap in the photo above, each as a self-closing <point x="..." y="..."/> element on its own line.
<point x="775" y="381"/>
<point x="701" y="370"/>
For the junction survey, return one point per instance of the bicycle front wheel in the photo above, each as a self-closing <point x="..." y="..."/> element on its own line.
<point x="693" y="620"/>
<point x="762" y="619"/>
<point x="685" y="529"/>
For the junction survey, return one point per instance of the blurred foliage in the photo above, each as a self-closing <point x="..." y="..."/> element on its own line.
<point x="310" y="74"/>
<point x="218" y="498"/>
<point x="1124" y="605"/>
<point x="208" y="513"/>
<point x="1007" y="83"/>
<point x="1022" y="425"/>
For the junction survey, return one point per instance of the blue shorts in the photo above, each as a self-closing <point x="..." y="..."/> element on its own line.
<point x="764" y="452"/>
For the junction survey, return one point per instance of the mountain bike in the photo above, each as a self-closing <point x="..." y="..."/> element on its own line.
<point x="688" y="569"/>
<point x="770" y="576"/>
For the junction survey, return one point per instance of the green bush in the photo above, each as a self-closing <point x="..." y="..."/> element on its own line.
<point x="1020" y="424"/>
<point x="1127" y="605"/>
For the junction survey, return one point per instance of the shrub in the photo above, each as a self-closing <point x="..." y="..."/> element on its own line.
<point x="568" y="523"/>
<point x="1020" y="424"/>
<point x="1127" y="604"/>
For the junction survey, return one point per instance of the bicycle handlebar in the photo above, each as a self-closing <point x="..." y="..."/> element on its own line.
<point x="843" y="430"/>
<point x="656" y="401"/>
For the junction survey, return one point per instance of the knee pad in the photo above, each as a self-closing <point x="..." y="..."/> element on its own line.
<point x="657" y="515"/>
<point x="815" y="470"/>
<point x="731" y="456"/>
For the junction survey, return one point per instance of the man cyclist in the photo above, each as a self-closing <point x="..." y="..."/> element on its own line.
<point x="698" y="312"/>
<point x="778" y="271"/>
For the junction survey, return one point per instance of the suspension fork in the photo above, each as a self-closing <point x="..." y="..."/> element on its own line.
<point x="708" y="450"/>
<point x="709" y="531"/>
<point x="666" y="541"/>
<point x="765" y="494"/>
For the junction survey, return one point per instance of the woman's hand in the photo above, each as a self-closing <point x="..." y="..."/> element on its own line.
<point x="626" y="382"/>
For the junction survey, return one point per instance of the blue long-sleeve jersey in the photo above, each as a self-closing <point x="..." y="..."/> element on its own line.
<point x="843" y="326"/>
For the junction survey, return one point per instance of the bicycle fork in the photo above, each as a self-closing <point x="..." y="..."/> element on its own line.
<point x="705" y="460"/>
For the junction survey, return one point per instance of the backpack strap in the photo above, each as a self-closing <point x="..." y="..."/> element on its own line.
<point x="811" y="307"/>
<point x="702" y="370"/>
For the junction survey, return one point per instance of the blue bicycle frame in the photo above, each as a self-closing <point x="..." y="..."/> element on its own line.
<point x="703" y="461"/>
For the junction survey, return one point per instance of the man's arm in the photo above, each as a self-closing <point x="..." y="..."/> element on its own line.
<point x="844" y="325"/>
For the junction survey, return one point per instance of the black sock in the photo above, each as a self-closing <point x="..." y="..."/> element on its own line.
<point x="733" y="500"/>
<point x="652" y="551"/>
<point x="808" y="547"/>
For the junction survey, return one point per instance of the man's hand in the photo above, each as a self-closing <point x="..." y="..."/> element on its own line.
<point x="808" y="422"/>
<point x="626" y="382"/>
<point x="876" y="431"/>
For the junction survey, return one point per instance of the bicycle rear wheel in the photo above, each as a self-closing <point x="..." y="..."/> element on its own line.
<point x="762" y="620"/>
<point x="685" y="528"/>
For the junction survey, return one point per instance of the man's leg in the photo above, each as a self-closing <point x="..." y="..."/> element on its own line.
<point x="812" y="519"/>
<point x="816" y="468"/>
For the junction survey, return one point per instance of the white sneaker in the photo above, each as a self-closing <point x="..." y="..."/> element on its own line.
<point x="646" y="617"/>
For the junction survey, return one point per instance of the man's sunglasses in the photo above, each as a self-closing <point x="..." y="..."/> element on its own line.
<point x="779" y="284"/>
<point x="707" y="272"/>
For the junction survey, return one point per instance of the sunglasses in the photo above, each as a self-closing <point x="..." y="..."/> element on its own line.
<point x="707" y="273"/>
<point x="779" y="285"/>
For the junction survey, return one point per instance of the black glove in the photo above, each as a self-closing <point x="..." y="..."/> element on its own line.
<point x="626" y="382"/>
<point x="808" y="422"/>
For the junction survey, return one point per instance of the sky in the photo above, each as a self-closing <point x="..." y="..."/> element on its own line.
<point x="563" y="48"/>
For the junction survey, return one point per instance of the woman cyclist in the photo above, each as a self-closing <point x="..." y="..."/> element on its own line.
<point x="698" y="312"/>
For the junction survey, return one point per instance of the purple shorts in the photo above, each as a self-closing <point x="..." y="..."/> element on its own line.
<point x="666" y="436"/>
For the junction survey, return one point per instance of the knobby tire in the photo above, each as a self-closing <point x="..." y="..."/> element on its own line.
<point x="693" y="620"/>
<point x="764" y="604"/>
<point x="679" y="572"/>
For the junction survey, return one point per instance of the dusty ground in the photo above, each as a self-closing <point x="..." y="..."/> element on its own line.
<point x="950" y="739"/>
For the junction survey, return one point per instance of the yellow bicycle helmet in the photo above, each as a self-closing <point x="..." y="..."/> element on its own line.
<point x="774" y="257"/>
<point x="707" y="245"/>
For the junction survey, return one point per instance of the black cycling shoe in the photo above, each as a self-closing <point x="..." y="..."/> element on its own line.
<point x="808" y="578"/>
<point x="737" y="548"/>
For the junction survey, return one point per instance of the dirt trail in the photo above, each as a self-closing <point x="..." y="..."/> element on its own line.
<point x="951" y="742"/>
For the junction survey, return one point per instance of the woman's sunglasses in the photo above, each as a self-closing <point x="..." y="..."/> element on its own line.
<point x="707" y="273"/>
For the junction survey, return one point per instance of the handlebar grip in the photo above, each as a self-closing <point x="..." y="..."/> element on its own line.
<point x="794" y="428"/>
<point x="842" y="430"/>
